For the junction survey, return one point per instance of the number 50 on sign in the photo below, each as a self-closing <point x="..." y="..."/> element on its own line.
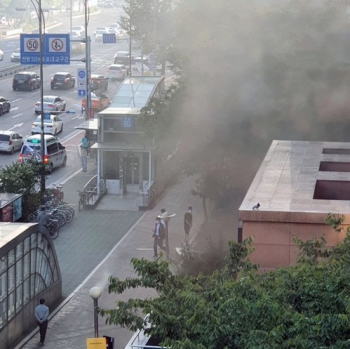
<point x="31" y="45"/>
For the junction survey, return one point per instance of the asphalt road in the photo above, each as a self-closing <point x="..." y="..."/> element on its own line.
<point x="22" y="114"/>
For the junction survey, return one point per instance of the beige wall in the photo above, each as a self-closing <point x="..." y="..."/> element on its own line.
<point x="273" y="242"/>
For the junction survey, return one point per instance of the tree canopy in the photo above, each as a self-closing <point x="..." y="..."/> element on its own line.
<point x="303" y="306"/>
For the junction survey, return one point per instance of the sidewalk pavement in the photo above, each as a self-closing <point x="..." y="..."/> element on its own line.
<point x="72" y="322"/>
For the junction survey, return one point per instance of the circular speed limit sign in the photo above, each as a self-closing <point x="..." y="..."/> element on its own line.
<point x="31" y="45"/>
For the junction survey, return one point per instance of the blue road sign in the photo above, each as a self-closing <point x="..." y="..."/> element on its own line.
<point x="128" y="122"/>
<point x="109" y="38"/>
<point x="82" y="93"/>
<point x="56" y="49"/>
<point x="81" y="74"/>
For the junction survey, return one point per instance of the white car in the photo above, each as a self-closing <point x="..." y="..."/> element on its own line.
<point x="79" y="28"/>
<point x="53" y="124"/>
<point x="114" y="26"/>
<point x="1" y="55"/>
<point x="51" y="103"/>
<point x="101" y="28"/>
<point x="77" y="35"/>
<point x="99" y="34"/>
<point x="10" y="141"/>
<point x="117" y="71"/>
<point x="16" y="55"/>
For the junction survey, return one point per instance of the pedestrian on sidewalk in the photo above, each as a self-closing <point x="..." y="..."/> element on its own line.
<point x="158" y="235"/>
<point x="42" y="315"/>
<point x="188" y="219"/>
<point x="83" y="156"/>
<point x="163" y="221"/>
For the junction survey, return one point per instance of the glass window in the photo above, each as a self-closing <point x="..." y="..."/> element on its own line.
<point x="33" y="260"/>
<point x="11" y="257"/>
<point x="11" y="278"/>
<point x="26" y="265"/>
<point x="34" y="238"/>
<point x="3" y="286"/>
<point x="3" y="263"/>
<point x="27" y="244"/>
<point x="19" y="251"/>
<point x="11" y="305"/>
<point x="52" y="148"/>
<point x="19" y="268"/>
<point x="26" y="291"/>
<point x="19" y="298"/>
<point x="2" y="313"/>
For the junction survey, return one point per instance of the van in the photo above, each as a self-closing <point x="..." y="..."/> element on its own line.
<point x="54" y="152"/>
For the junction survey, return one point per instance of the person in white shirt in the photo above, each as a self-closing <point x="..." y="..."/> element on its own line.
<point x="42" y="315"/>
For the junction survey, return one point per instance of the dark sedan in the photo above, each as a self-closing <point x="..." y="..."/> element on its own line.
<point x="5" y="105"/>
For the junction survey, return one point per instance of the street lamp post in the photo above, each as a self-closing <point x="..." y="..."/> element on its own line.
<point x="166" y="216"/>
<point x="95" y="294"/>
<point x="41" y="40"/>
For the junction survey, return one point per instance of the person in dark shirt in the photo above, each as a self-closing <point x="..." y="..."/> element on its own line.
<point x="188" y="223"/>
<point x="159" y="235"/>
<point x="43" y="219"/>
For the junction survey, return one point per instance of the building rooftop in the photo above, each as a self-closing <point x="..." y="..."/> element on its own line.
<point x="9" y="232"/>
<point x="135" y="92"/>
<point x="300" y="182"/>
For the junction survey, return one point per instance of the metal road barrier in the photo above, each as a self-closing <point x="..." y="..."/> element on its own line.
<point x="13" y="69"/>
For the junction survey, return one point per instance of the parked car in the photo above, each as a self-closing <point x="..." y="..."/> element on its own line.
<point x="26" y="80"/>
<point x="117" y="71"/>
<point x="98" y="103"/>
<point x="98" y="82"/>
<point x="5" y="105"/>
<point x="53" y="124"/>
<point x="1" y="55"/>
<point x="109" y="4"/>
<point x="55" y="154"/>
<point x="16" y="55"/>
<point x="122" y="57"/>
<point x="10" y="141"/>
<point x="51" y="103"/>
<point x="62" y="80"/>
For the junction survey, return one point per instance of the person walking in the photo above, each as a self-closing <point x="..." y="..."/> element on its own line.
<point x="159" y="235"/>
<point x="188" y="218"/>
<point x="83" y="157"/>
<point x="42" y="315"/>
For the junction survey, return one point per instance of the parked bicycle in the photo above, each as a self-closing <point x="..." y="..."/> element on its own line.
<point x="82" y="200"/>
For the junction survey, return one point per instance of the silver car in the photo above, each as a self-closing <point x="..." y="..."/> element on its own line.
<point x="10" y="141"/>
<point x="1" y="55"/>
<point x="51" y="104"/>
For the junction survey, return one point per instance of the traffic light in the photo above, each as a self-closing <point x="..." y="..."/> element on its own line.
<point x="109" y="342"/>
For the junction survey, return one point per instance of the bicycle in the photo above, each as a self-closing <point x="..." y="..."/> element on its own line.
<point x="53" y="228"/>
<point x="82" y="200"/>
<point x="57" y="192"/>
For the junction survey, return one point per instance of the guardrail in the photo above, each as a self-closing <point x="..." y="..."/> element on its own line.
<point x="94" y="191"/>
<point x="13" y="69"/>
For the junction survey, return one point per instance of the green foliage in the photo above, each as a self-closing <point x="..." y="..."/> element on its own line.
<point x="303" y="306"/>
<point x="22" y="178"/>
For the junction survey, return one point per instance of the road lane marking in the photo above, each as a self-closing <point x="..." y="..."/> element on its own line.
<point x="14" y="126"/>
<point x="16" y="100"/>
<point x="15" y="108"/>
<point x="16" y="115"/>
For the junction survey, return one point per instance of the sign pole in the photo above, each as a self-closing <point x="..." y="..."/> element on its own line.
<point x="42" y="140"/>
<point x="87" y="63"/>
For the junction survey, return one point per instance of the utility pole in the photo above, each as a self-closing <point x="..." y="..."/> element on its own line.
<point x="87" y="64"/>
<point x="130" y="37"/>
<point x="42" y="139"/>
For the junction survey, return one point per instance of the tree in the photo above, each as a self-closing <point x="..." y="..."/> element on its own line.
<point x="303" y="306"/>
<point x="151" y="25"/>
<point x="22" y="178"/>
